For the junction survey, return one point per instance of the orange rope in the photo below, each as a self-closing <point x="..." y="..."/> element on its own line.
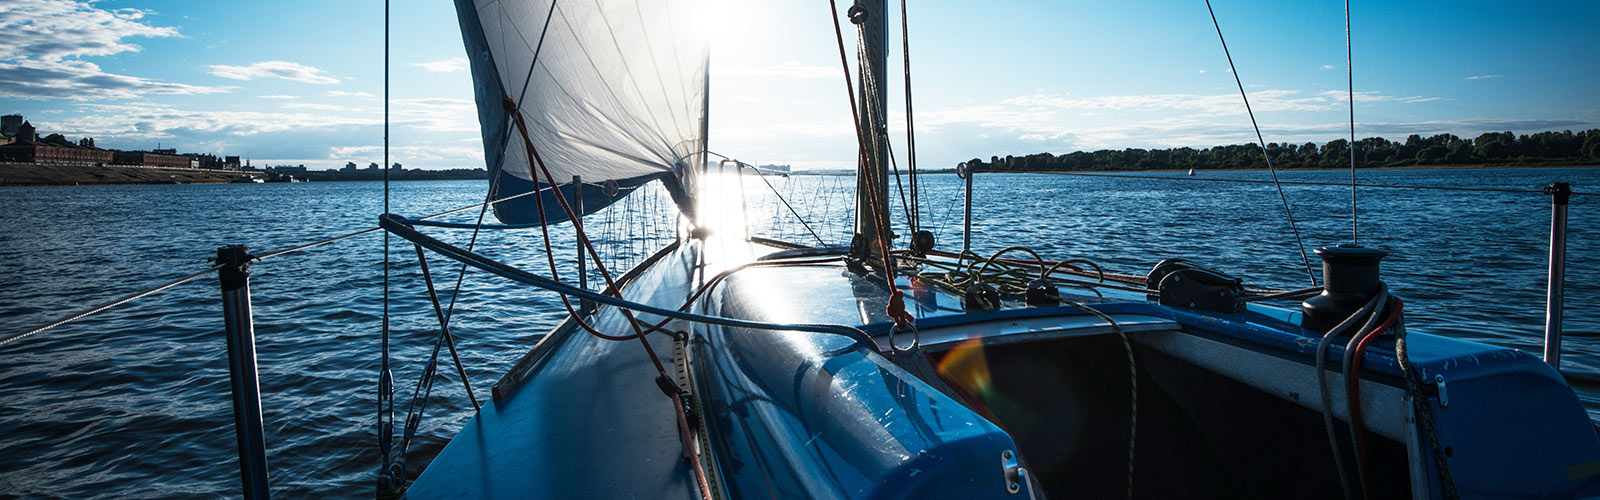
<point x="896" y="308"/>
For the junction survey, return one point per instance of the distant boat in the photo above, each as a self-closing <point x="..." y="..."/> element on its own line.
<point x="1191" y="171"/>
<point x="246" y="179"/>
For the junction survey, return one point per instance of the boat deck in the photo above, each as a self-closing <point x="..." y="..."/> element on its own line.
<point x="582" y="417"/>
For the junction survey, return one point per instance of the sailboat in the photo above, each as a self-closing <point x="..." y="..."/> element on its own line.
<point x="1191" y="171"/>
<point x="729" y="366"/>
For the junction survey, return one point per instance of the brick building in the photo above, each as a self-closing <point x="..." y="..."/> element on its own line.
<point x="150" y="159"/>
<point x="27" y="148"/>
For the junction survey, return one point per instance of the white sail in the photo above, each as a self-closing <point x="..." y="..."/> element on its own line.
<point x="613" y="91"/>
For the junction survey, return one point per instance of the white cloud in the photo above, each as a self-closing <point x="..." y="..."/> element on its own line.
<point x="54" y="30"/>
<point x="277" y="97"/>
<point x="341" y="93"/>
<point x="314" y="106"/>
<point x="443" y="65"/>
<point x="150" y="121"/>
<point x="1327" y="66"/>
<point x="274" y="69"/>
<point x="82" y="81"/>
<point x="1481" y="77"/>
<point x="45" y="39"/>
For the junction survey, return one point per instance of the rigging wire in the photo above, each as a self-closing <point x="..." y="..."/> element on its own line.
<point x="386" y="476"/>
<point x="896" y="308"/>
<point x="686" y="434"/>
<point x="1290" y="212"/>
<point x="785" y="202"/>
<point x="911" y="135"/>
<point x="1350" y="70"/>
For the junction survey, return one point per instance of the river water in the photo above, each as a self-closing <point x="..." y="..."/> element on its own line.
<point x="134" y="402"/>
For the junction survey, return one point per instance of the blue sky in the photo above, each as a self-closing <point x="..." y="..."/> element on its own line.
<point x="301" y="82"/>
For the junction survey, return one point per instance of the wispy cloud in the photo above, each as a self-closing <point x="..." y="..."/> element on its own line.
<point x="45" y="39"/>
<point x="54" y="30"/>
<point x="341" y="93"/>
<point x="1326" y="66"/>
<point x="444" y="65"/>
<point x="1481" y="77"/>
<point x="82" y="81"/>
<point x="314" y="106"/>
<point x="274" y="69"/>
<point x="277" y="97"/>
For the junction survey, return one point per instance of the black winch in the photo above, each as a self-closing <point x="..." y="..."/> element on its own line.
<point x="1349" y="281"/>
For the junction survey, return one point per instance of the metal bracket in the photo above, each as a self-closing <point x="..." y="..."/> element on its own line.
<point x="1444" y="397"/>
<point x="1016" y="476"/>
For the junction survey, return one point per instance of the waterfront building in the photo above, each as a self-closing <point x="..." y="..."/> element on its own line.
<point x="9" y="125"/>
<point x="230" y="163"/>
<point x="27" y="148"/>
<point x="150" y="159"/>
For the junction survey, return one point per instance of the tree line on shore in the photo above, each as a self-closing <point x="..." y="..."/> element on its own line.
<point x="1492" y="148"/>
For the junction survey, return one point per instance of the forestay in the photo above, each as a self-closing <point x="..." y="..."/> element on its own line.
<point x="613" y="91"/>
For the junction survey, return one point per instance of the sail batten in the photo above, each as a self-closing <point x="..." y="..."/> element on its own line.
<point x="610" y="91"/>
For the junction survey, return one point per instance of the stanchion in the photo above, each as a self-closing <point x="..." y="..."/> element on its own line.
<point x="1560" y="193"/>
<point x="240" y="330"/>
<point x="966" y="172"/>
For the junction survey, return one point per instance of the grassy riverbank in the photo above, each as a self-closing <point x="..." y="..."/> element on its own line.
<point x="33" y="174"/>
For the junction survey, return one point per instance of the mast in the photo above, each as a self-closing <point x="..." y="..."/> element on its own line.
<point x="872" y="176"/>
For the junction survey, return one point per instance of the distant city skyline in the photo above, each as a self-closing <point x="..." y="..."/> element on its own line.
<point x="298" y="82"/>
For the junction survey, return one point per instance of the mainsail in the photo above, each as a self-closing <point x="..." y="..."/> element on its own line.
<point x="611" y="91"/>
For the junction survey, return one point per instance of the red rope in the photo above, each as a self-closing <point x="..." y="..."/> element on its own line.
<point x="685" y="434"/>
<point x="896" y="308"/>
<point x="1353" y="388"/>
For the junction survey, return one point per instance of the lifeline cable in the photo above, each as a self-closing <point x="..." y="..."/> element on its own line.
<point x="1286" y="210"/>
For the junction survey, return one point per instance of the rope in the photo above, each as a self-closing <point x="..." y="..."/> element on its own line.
<point x="1419" y="405"/>
<point x="677" y="396"/>
<point x="1353" y="356"/>
<point x="1286" y="210"/>
<point x="1133" y="385"/>
<point x="1322" y="382"/>
<point x="896" y="308"/>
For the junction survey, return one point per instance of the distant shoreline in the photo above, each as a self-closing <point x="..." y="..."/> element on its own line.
<point x="36" y="174"/>
<point x="1314" y="169"/>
